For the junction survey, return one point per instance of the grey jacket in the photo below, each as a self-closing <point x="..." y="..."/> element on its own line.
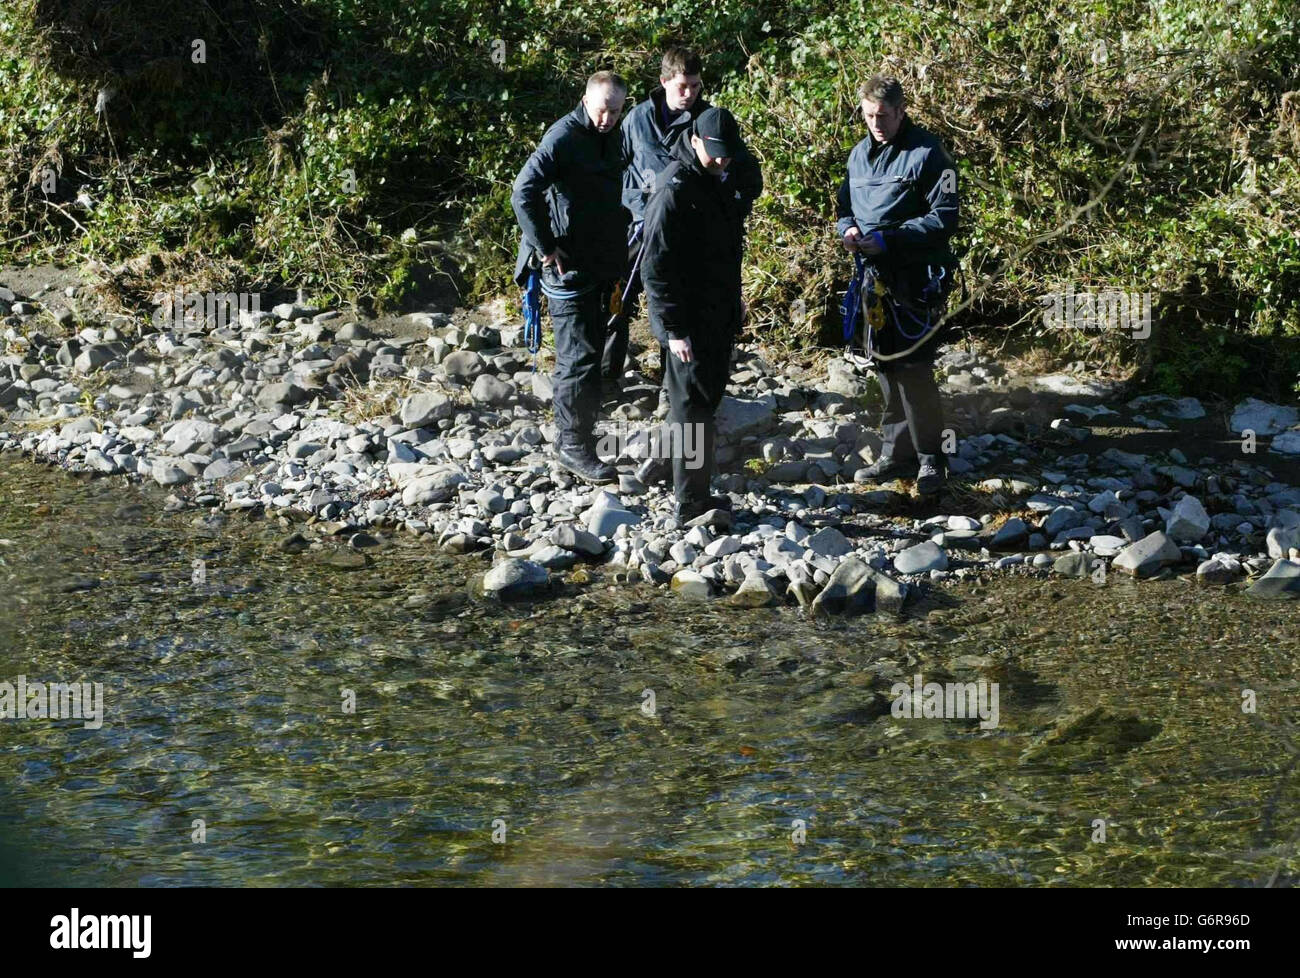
<point x="907" y="190"/>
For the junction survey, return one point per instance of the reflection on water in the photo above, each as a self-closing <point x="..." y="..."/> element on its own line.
<point x="225" y="704"/>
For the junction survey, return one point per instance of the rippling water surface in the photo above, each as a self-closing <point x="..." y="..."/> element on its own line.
<point x="224" y="704"/>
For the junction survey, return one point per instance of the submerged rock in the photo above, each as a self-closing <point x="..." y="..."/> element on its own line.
<point x="516" y="578"/>
<point x="691" y="584"/>
<point x="1282" y="580"/>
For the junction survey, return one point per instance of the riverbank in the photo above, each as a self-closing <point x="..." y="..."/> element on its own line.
<point x="437" y="425"/>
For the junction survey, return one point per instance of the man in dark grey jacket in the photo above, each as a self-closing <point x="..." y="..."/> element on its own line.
<point x="652" y="133"/>
<point x="568" y="202"/>
<point x="898" y="208"/>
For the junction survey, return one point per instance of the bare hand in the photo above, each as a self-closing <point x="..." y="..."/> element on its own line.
<point x="744" y="312"/>
<point x="681" y="349"/>
<point x="554" y="259"/>
<point x="852" y="238"/>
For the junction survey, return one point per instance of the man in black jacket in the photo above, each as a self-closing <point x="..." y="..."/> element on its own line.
<point x="568" y="202"/>
<point x="651" y="134"/>
<point x="898" y="207"/>
<point x="694" y="226"/>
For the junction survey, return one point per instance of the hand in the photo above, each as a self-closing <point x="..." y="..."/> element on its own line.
<point x="852" y="238"/>
<point x="681" y="349"/>
<point x="744" y="312"/>
<point x="554" y="259"/>
<point x="872" y="244"/>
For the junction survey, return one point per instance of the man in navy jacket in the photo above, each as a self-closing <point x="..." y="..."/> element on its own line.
<point x="568" y="202"/>
<point x="898" y="208"/>
<point x="652" y="133"/>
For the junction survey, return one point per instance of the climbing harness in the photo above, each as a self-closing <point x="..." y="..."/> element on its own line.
<point x="532" y="310"/>
<point x="852" y="299"/>
<point x="882" y="306"/>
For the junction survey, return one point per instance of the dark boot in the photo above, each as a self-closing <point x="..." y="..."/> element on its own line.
<point x="883" y="469"/>
<point x="582" y="461"/>
<point x="687" y="511"/>
<point x="930" y="477"/>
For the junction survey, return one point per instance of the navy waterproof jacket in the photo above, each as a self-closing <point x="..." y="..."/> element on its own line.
<point x="650" y="146"/>
<point x="907" y="190"/>
<point x="690" y="262"/>
<point x="569" y="194"/>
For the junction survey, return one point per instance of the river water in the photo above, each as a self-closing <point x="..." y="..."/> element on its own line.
<point x="614" y="733"/>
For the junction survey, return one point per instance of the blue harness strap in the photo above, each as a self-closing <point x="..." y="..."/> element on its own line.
<point x="532" y="310"/>
<point x="853" y="298"/>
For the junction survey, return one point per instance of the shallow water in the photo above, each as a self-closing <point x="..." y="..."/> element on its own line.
<point x="223" y="703"/>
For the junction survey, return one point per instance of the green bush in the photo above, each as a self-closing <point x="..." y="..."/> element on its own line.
<point x="1104" y="144"/>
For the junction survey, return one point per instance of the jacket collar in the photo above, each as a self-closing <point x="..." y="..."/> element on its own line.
<point x="899" y="137"/>
<point x="690" y="162"/>
<point x="683" y="118"/>
<point x="580" y="116"/>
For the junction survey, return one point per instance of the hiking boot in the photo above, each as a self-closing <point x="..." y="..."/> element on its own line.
<point x="929" y="480"/>
<point x="882" y="469"/>
<point x="583" y="462"/>
<point x="653" y="471"/>
<point x="684" y="512"/>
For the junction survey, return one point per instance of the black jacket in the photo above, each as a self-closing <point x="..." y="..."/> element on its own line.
<point x="907" y="190"/>
<point x="690" y="262"/>
<point x="569" y="194"/>
<point x="649" y="147"/>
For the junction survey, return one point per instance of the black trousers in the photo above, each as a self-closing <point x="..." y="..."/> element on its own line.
<point x="912" y="423"/>
<point x="579" y="326"/>
<point x="695" y="390"/>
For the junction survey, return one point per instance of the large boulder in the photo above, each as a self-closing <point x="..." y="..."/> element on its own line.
<point x="855" y="587"/>
<point x="1263" y="418"/>
<point x="516" y="578"/>
<point x="424" y="408"/>
<point x="737" y="417"/>
<point x="437" y="487"/>
<point x="921" y="559"/>
<point x="1188" y="521"/>
<point x="1282" y="580"/>
<point x="1148" y="556"/>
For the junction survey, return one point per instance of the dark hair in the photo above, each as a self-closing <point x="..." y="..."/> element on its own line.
<point x="610" y="78"/>
<point x="882" y="88"/>
<point x="679" y="61"/>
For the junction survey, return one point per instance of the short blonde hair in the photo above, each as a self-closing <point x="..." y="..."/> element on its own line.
<point x="610" y="78"/>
